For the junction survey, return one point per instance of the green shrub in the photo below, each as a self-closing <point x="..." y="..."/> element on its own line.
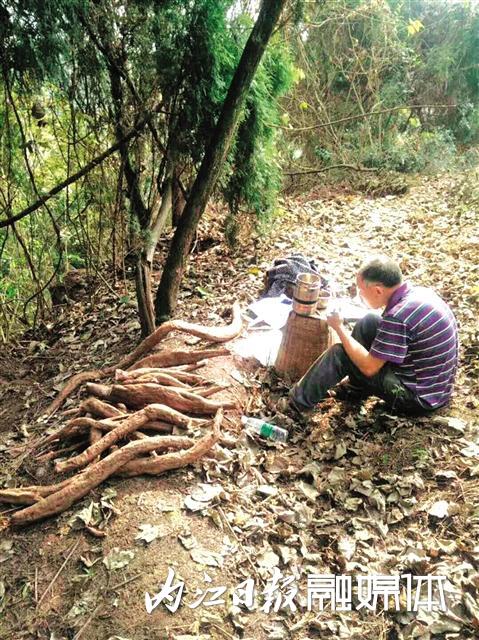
<point x="467" y="127"/>
<point x="412" y="150"/>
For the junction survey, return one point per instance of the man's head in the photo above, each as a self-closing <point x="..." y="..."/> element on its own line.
<point x="377" y="280"/>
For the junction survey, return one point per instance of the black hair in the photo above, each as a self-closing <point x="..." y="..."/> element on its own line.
<point x="381" y="270"/>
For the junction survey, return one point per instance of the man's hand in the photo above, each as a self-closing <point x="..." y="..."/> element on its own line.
<point x="334" y="320"/>
<point x="358" y="354"/>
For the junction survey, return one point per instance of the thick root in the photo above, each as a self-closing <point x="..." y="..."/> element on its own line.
<point x="204" y="392"/>
<point x="132" y="423"/>
<point x="99" y="390"/>
<point x="99" y="409"/>
<point x="137" y="396"/>
<point x="95" y="435"/>
<point x="170" y="358"/>
<point x="72" y="384"/>
<point x="212" y="334"/>
<point x="30" y="494"/>
<point x="158" y="426"/>
<point x="124" y="377"/>
<point x="168" y="414"/>
<point x="177" y="375"/>
<point x="209" y="391"/>
<point x="96" y="473"/>
<point x="168" y="461"/>
<point x="19" y="496"/>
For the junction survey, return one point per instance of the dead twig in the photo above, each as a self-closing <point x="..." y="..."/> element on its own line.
<point x="127" y="581"/>
<point x="79" y="634"/>
<point x="227" y="522"/>
<point x="53" y="580"/>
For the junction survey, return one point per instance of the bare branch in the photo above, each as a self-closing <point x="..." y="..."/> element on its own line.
<point x="366" y="115"/>
<point x="333" y="166"/>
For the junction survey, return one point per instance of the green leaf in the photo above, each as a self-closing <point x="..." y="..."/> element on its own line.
<point x="203" y="292"/>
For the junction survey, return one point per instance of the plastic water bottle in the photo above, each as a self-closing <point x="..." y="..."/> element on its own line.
<point x="265" y="429"/>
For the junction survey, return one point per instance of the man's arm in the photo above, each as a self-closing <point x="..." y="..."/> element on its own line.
<point x="365" y="362"/>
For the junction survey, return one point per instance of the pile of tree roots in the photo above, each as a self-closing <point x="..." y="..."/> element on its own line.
<point x="124" y="428"/>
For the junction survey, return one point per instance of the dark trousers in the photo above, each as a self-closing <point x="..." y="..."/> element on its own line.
<point x="335" y="364"/>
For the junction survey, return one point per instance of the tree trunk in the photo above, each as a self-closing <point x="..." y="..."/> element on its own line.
<point x="162" y="217"/>
<point x="144" y="296"/>
<point x="178" y="199"/>
<point x="214" y="158"/>
<point x="138" y="208"/>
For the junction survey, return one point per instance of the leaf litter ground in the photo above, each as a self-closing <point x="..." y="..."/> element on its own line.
<point x="357" y="490"/>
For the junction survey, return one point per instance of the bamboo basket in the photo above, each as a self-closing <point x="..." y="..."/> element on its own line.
<point x="305" y="338"/>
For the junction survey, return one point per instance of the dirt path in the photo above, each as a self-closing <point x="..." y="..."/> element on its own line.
<point x="358" y="491"/>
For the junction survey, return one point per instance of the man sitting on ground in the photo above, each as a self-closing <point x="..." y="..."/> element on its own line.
<point x="408" y="356"/>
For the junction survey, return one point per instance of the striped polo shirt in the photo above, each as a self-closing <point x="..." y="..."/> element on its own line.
<point x="418" y="336"/>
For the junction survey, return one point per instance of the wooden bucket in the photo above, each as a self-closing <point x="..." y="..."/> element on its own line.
<point x="306" y="293"/>
<point x="305" y="338"/>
